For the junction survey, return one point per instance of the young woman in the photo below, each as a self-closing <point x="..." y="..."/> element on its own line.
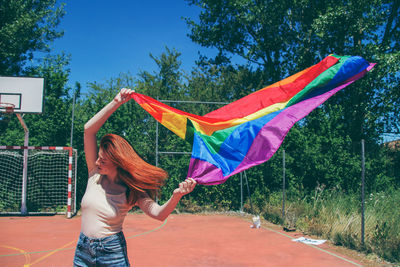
<point x="118" y="180"/>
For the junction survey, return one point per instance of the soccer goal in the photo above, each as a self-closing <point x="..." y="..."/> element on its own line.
<point x="50" y="185"/>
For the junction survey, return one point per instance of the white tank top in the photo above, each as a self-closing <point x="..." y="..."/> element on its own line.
<point x="102" y="213"/>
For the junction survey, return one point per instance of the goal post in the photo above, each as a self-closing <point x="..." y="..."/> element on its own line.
<point x="51" y="180"/>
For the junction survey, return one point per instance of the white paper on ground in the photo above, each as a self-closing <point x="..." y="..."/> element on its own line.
<point x="309" y="241"/>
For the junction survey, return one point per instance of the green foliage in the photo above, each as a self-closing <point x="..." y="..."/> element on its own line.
<point x="26" y="26"/>
<point x="253" y="30"/>
<point x="168" y="82"/>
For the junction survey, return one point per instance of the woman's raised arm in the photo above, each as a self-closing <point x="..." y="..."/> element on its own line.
<point x="95" y="123"/>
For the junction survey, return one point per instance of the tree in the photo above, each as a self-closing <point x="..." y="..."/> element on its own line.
<point x="167" y="82"/>
<point x="26" y="27"/>
<point x="279" y="38"/>
<point x="282" y="37"/>
<point x="253" y="30"/>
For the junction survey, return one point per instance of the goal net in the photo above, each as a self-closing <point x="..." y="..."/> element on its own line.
<point x="51" y="180"/>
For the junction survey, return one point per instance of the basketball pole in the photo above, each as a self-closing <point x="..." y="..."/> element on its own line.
<point x="24" y="210"/>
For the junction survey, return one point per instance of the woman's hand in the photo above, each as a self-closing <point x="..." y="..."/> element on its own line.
<point x="185" y="187"/>
<point x="158" y="212"/>
<point x="123" y="96"/>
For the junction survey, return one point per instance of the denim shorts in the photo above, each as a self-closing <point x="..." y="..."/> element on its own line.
<point x="107" y="251"/>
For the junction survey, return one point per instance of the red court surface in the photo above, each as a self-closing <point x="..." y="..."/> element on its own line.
<point x="182" y="240"/>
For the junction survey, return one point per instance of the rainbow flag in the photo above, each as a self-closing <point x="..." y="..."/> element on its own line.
<point x="249" y="131"/>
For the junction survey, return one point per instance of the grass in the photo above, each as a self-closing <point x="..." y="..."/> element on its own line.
<point x="336" y="216"/>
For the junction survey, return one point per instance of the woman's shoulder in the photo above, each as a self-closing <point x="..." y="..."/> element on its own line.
<point x="94" y="174"/>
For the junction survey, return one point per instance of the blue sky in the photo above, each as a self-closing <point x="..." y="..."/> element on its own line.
<point x="105" y="38"/>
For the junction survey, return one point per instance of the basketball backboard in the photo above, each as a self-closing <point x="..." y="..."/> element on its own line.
<point x="25" y="93"/>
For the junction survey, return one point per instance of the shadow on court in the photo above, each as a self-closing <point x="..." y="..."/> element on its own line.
<point x="182" y="240"/>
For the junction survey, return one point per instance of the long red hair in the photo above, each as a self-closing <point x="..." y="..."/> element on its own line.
<point x="133" y="171"/>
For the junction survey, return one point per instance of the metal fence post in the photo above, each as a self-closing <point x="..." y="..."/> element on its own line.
<point x="362" y="190"/>
<point x="283" y="186"/>
<point x="156" y="151"/>
<point x="241" y="192"/>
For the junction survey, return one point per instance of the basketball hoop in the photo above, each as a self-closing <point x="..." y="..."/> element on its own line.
<point x="6" y="107"/>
